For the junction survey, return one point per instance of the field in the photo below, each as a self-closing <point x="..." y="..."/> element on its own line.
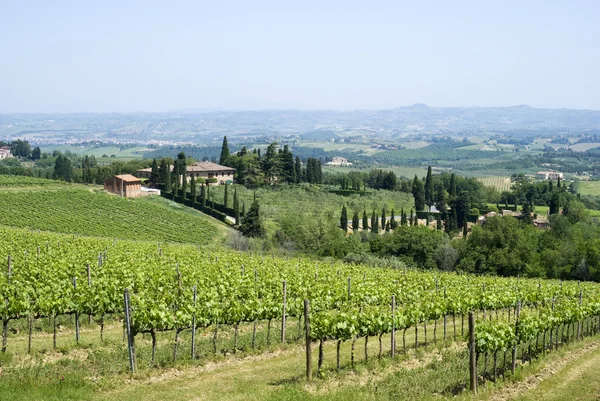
<point x="582" y="147"/>
<point x="500" y="183"/>
<point x="211" y="323"/>
<point x="400" y="171"/>
<point x="99" y="151"/>
<point x="345" y="147"/>
<point x="237" y="318"/>
<point x="80" y="211"/>
<point x="307" y="200"/>
<point x="588" y="188"/>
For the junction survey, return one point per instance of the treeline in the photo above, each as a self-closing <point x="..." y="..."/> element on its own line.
<point x="277" y="165"/>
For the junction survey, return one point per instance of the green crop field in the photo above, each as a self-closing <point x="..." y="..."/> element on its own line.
<point x="80" y="211"/>
<point x="238" y="310"/>
<point x="588" y="187"/>
<point x="582" y="147"/>
<point x="501" y="183"/>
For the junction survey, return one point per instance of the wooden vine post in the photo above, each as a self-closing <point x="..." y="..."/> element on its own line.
<point x="308" y="344"/>
<point x="472" y="354"/>
<point x="393" y="336"/>
<point x="194" y="326"/>
<point x="283" y="312"/>
<point x="445" y="319"/>
<point x="514" y="351"/>
<point x="89" y="281"/>
<point x="579" y="321"/>
<point x="130" y="340"/>
<point x="76" y="313"/>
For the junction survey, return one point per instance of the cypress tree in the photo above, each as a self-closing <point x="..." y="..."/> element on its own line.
<point x="355" y="222"/>
<point x="454" y="221"/>
<point x="226" y="196"/>
<point x="410" y="219"/>
<point x="383" y="220"/>
<point x="167" y="181"/>
<point x="447" y="224"/>
<point x="176" y="177"/>
<point x="429" y="188"/>
<point x="403" y="220"/>
<point x="439" y="222"/>
<point x="224" y="152"/>
<point x="184" y="186"/>
<point x="393" y="223"/>
<point x="365" y="221"/>
<point x="374" y="223"/>
<point x="526" y="214"/>
<point x="251" y="225"/>
<point x="203" y="196"/>
<point x="243" y="209"/>
<point x="154" y="172"/>
<point x="418" y="192"/>
<point x="193" y="190"/>
<point x="298" y="168"/>
<point x="554" y="203"/>
<point x="452" y="189"/>
<point x="344" y="219"/>
<point x="163" y="173"/>
<point x="465" y="229"/>
<point x="236" y="207"/>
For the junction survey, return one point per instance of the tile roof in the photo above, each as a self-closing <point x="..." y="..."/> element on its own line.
<point x="128" y="178"/>
<point x="208" y="166"/>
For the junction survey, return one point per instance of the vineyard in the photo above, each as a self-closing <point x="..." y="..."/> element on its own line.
<point x="588" y="188"/>
<point x="500" y="183"/>
<point x="178" y="291"/>
<point x="12" y="181"/>
<point x="77" y="211"/>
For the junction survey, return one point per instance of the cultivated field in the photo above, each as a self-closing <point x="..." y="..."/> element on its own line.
<point x="582" y="147"/>
<point x="80" y="211"/>
<point x="501" y="183"/>
<point x="588" y="187"/>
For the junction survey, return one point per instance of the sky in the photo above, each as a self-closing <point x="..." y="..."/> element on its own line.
<point x="127" y="56"/>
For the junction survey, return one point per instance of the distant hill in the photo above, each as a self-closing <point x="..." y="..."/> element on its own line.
<point x="208" y="127"/>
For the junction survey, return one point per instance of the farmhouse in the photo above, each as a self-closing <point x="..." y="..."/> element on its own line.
<point x="222" y="174"/>
<point x="338" y="161"/>
<point x="125" y="185"/>
<point x="549" y="175"/>
<point x="5" y="153"/>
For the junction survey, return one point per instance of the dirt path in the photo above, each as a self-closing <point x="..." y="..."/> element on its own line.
<point x="556" y="375"/>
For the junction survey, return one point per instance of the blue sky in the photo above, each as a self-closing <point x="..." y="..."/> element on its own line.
<point x="73" y="56"/>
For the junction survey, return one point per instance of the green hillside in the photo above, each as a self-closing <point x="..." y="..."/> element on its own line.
<point x="76" y="210"/>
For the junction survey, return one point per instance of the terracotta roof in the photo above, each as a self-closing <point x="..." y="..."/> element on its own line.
<point x="127" y="178"/>
<point x="208" y="166"/>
